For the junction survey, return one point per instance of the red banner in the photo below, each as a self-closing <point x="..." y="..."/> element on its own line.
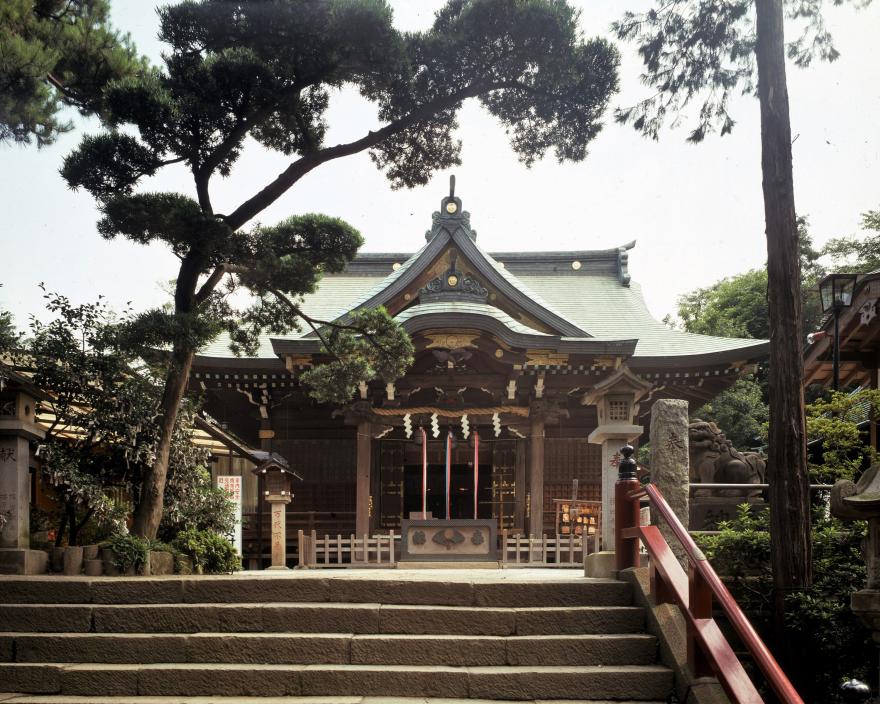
<point x="476" y="471"/>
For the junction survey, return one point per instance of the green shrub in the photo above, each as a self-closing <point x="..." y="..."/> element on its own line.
<point x="129" y="551"/>
<point x="832" y="644"/>
<point x="211" y="552"/>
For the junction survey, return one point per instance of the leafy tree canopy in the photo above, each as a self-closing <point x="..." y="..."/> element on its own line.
<point x="741" y="412"/>
<point x="101" y="421"/>
<point x="56" y="54"/>
<point x="858" y="254"/>
<point x="703" y="53"/>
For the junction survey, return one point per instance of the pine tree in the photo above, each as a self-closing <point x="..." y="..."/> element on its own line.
<point x="56" y="54"/>
<point x="263" y="70"/>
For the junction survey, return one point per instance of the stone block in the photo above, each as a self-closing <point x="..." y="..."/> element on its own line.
<point x="29" y="618"/>
<point x="633" y="649"/>
<point x="454" y="651"/>
<point x="239" y="618"/>
<point x="106" y="680"/>
<point x="223" y="680"/>
<point x="93" y="568"/>
<point x="161" y="563"/>
<point x="321" y="618"/>
<point x="23" y="561"/>
<point x="388" y="681"/>
<point x="6" y="648"/>
<point x="581" y="619"/>
<point x="29" y="678"/>
<point x="706" y="691"/>
<point x="634" y="682"/>
<point x="136" y="590"/>
<point x="101" y="648"/>
<point x="165" y="618"/>
<point x="601" y="565"/>
<point x="581" y="593"/>
<point x="242" y="589"/>
<point x="48" y="590"/>
<point x="73" y="560"/>
<point x="451" y="620"/>
<point x="263" y="649"/>
<point x="401" y="591"/>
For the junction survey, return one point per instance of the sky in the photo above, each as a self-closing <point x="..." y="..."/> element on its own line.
<point x="695" y="211"/>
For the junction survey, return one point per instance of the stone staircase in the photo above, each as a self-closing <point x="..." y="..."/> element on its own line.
<point x="355" y="636"/>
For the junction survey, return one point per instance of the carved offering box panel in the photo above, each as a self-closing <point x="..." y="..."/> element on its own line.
<point x="449" y="541"/>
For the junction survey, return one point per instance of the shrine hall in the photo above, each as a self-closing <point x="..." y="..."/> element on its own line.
<point x="531" y="370"/>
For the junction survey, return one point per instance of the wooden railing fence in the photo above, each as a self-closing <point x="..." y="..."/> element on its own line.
<point x="708" y="650"/>
<point x="558" y="551"/>
<point x="346" y="551"/>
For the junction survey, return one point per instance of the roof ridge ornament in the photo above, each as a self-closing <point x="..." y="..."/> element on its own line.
<point x="623" y="262"/>
<point x="454" y="285"/>
<point x="450" y="217"/>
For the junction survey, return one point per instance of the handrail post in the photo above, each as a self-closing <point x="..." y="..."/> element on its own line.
<point x="700" y="605"/>
<point x="626" y="511"/>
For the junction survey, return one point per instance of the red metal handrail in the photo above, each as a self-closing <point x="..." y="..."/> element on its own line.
<point x="708" y="650"/>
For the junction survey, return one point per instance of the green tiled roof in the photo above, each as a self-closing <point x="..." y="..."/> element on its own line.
<point x="592" y="297"/>
<point x="465" y="308"/>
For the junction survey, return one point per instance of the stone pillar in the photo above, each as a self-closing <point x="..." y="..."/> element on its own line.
<point x="279" y="531"/>
<point x="362" y="495"/>
<point x="669" y="463"/>
<point x="611" y="438"/>
<point x="15" y="491"/>
<point x="536" y="475"/>
<point x="17" y="428"/>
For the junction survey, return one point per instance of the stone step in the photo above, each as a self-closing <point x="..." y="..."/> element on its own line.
<point x="338" y="648"/>
<point x="319" y="618"/>
<point x="61" y="699"/>
<point x="637" y="682"/>
<point x="305" y="586"/>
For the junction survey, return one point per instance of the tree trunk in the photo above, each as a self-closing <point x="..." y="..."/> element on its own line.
<point x="791" y="553"/>
<point x="148" y="512"/>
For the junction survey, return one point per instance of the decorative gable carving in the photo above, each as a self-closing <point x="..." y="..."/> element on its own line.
<point x="453" y="285"/>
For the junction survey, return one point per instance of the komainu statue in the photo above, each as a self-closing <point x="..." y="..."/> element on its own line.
<point x="714" y="460"/>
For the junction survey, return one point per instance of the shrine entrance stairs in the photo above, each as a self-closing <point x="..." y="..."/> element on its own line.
<point x="352" y="637"/>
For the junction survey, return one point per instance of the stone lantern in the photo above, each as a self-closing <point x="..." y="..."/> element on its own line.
<point x="617" y="405"/>
<point x="277" y="490"/>
<point x="861" y="501"/>
<point x="18" y="429"/>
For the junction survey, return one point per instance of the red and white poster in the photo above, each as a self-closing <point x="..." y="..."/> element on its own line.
<point x="232" y="484"/>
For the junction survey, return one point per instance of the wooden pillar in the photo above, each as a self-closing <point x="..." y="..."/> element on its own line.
<point x="872" y="424"/>
<point x="362" y="500"/>
<point x="536" y="475"/>
<point x="519" y="481"/>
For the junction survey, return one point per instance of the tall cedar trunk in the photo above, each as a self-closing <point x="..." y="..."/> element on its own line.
<point x="148" y="512"/>
<point x="791" y="552"/>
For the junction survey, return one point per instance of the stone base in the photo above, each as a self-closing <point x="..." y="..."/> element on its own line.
<point x="278" y="567"/>
<point x="21" y="561"/>
<point x="601" y="564"/>
<point x="161" y="563"/>
<point x="448" y="565"/>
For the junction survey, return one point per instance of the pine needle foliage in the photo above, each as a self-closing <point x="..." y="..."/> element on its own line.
<point x="57" y="54"/>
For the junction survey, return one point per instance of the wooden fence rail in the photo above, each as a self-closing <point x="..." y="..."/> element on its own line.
<point x="346" y="551"/>
<point x="558" y="551"/>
